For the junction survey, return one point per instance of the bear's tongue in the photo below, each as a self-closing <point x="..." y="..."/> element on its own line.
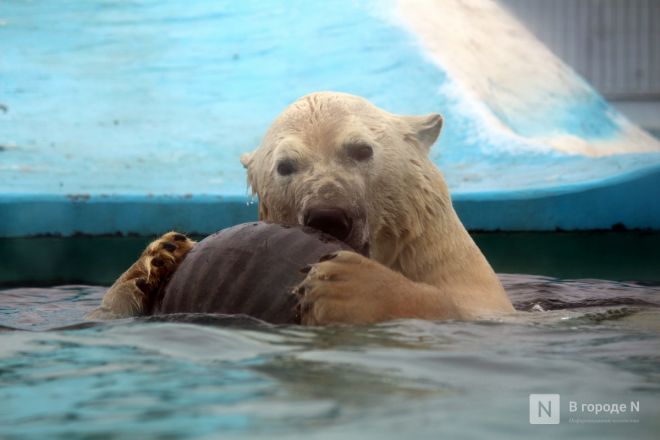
<point x="332" y="221"/>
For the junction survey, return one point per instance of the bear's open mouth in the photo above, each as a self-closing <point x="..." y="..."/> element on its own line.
<point x="340" y="224"/>
<point x="333" y="221"/>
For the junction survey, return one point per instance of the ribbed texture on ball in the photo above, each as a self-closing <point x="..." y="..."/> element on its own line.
<point x="247" y="269"/>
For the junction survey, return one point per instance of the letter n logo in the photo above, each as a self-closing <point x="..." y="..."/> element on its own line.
<point x="544" y="409"/>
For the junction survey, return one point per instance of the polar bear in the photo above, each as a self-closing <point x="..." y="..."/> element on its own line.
<point x="338" y="163"/>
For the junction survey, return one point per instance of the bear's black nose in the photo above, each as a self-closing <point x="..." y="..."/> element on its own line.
<point x="333" y="221"/>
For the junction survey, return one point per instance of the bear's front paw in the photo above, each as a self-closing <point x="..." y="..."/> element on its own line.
<point x="345" y="287"/>
<point x="160" y="259"/>
<point x="136" y="290"/>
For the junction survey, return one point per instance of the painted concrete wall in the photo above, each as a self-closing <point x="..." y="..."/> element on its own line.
<point x="613" y="44"/>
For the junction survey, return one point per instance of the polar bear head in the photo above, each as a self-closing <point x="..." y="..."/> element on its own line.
<point x="338" y="163"/>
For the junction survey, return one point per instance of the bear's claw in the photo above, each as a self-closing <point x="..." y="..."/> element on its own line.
<point x="335" y="290"/>
<point x="137" y="290"/>
<point x="161" y="258"/>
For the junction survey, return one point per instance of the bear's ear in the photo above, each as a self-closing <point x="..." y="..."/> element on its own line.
<point x="427" y="128"/>
<point x="246" y="159"/>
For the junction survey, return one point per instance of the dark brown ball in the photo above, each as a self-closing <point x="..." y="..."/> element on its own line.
<point x="247" y="269"/>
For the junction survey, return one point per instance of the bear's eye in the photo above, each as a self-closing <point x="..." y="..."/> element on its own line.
<point x="286" y="167"/>
<point x="360" y="152"/>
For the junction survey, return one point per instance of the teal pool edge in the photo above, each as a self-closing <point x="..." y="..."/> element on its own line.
<point x="629" y="201"/>
<point x="624" y="201"/>
<point x="37" y="215"/>
<point x="99" y="260"/>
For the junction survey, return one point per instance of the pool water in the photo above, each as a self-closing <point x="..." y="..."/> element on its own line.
<point x="196" y="376"/>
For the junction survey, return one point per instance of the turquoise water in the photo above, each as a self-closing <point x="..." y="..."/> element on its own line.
<point x="231" y="377"/>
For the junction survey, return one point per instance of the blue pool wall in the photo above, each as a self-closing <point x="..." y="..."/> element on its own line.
<point x="130" y="117"/>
